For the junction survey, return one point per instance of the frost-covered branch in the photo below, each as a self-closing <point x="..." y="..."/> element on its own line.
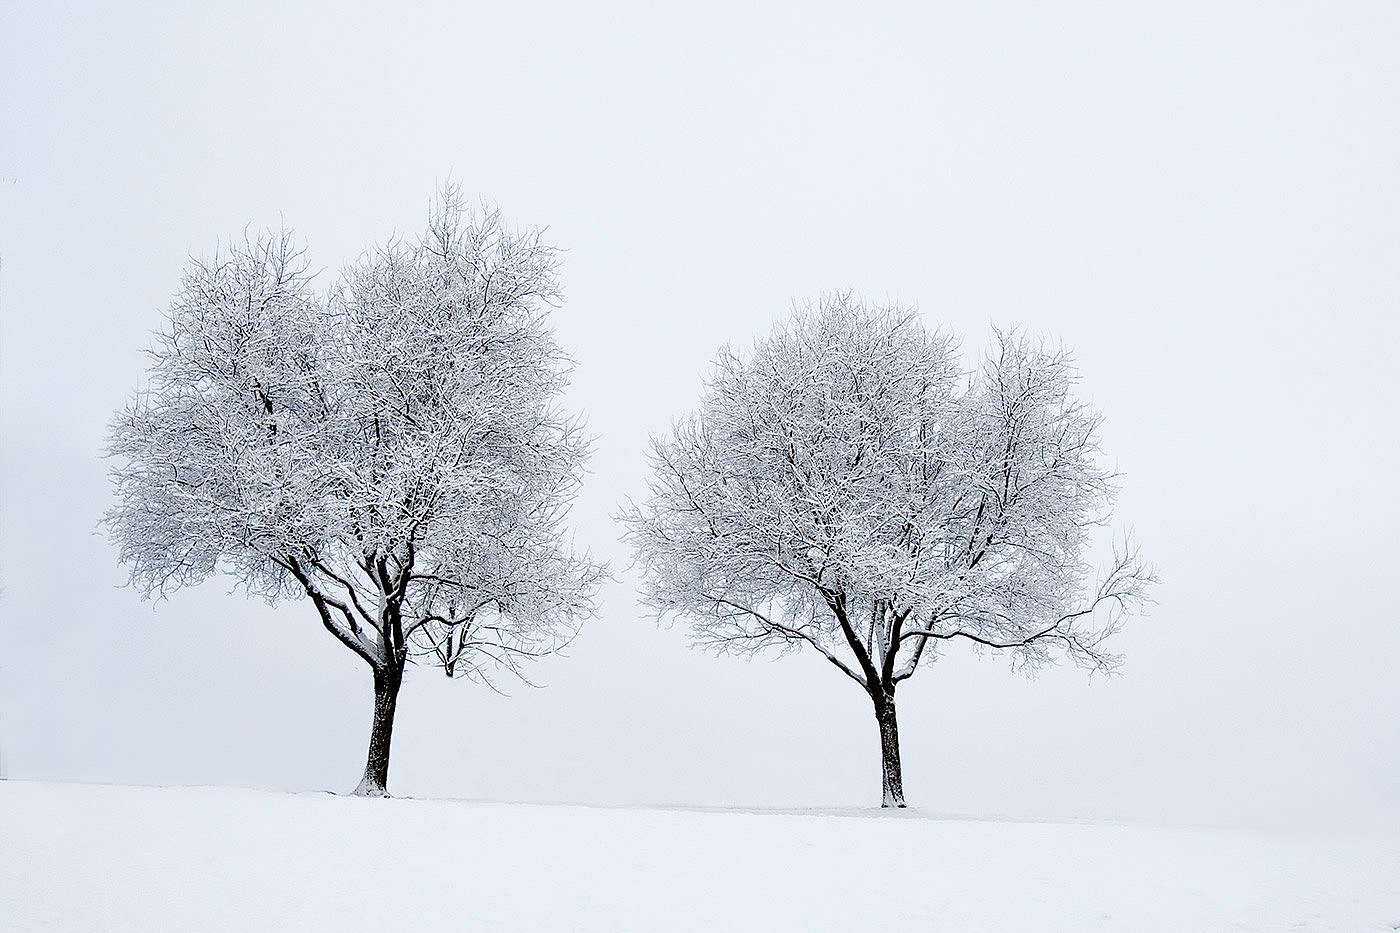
<point x="392" y="450"/>
<point x="846" y="486"/>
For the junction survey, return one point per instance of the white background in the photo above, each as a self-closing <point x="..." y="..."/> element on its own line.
<point x="1202" y="201"/>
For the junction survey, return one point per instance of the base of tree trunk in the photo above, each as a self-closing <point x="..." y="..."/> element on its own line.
<point x="368" y="787"/>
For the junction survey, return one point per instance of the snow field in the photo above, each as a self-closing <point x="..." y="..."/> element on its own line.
<point x="107" y="858"/>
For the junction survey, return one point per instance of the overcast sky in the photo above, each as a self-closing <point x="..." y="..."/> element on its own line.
<point x="1202" y="200"/>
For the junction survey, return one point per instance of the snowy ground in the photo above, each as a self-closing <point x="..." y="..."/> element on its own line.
<point x="91" y="858"/>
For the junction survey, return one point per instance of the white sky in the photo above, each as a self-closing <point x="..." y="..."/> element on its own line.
<point x="1203" y="201"/>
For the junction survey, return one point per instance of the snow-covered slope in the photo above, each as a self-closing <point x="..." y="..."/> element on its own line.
<point x="90" y="858"/>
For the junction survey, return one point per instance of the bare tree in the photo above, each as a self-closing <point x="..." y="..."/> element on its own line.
<point x="392" y="452"/>
<point x="847" y="489"/>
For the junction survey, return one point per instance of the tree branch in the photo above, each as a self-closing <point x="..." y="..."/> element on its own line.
<point x="790" y="634"/>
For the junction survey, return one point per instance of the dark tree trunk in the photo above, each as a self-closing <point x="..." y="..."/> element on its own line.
<point x="375" y="783"/>
<point x="892" y="783"/>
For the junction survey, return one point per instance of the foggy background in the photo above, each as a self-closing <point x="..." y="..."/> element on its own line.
<point x="1203" y="202"/>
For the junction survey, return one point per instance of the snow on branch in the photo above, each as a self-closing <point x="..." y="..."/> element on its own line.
<point x="846" y="486"/>
<point x="392" y="450"/>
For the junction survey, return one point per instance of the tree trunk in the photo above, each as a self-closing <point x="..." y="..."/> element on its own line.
<point x="892" y="784"/>
<point x="375" y="783"/>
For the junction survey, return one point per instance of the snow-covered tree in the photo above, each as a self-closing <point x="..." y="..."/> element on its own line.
<point x="393" y="452"/>
<point x="846" y="488"/>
